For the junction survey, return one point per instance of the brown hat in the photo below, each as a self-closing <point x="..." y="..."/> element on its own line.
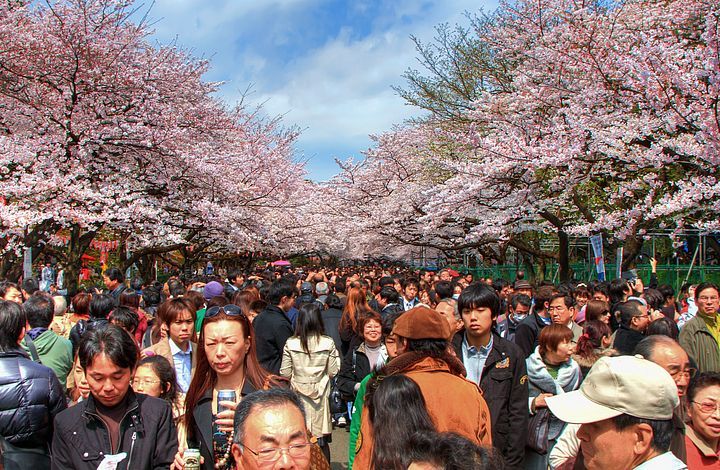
<point x="521" y="284"/>
<point x="422" y="323"/>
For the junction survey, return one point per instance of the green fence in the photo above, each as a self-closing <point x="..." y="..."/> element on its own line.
<point x="673" y="274"/>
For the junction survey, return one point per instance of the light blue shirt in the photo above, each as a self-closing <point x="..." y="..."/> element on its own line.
<point x="183" y="365"/>
<point x="475" y="358"/>
<point x="666" y="461"/>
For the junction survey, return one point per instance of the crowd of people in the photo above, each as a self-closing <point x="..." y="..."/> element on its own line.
<point x="425" y="370"/>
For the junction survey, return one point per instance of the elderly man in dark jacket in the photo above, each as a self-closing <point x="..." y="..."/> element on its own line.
<point x="30" y="397"/>
<point x="498" y="367"/>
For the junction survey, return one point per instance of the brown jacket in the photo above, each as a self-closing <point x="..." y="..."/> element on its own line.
<point x="454" y="403"/>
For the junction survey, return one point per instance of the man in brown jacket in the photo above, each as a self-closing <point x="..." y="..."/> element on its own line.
<point x="454" y="403"/>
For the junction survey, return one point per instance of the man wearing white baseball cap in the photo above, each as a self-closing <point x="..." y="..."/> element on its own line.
<point x="625" y="406"/>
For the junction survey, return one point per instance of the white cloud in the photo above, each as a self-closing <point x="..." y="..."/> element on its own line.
<point x="338" y="90"/>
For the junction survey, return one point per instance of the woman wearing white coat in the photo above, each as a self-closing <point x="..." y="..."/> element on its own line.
<point x="310" y="360"/>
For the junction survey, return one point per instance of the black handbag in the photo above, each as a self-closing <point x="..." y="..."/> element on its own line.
<point x="337" y="404"/>
<point x="538" y="427"/>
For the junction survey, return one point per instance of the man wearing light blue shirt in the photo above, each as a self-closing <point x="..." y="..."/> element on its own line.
<point x="182" y="360"/>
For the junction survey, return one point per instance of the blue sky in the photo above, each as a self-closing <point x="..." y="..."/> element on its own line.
<point x="326" y="66"/>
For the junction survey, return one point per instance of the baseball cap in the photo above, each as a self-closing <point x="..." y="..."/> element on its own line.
<point x="213" y="289"/>
<point x="422" y="323"/>
<point x="615" y="386"/>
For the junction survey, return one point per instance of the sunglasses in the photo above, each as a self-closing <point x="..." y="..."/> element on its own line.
<point x="230" y="310"/>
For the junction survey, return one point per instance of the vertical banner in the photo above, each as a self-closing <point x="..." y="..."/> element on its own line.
<point x="597" y="246"/>
<point x="619" y="260"/>
<point x="27" y="263"/>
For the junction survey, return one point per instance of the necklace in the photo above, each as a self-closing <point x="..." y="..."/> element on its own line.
<point x="220" y="463"/>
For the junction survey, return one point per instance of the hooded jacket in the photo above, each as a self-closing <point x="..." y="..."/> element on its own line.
<point x="55" y="352"/>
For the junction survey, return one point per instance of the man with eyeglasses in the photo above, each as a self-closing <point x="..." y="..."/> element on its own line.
<point x="634" y="320"/>
<point x="700" y="337"/>
<point x="270" y="432"/>
<point x="668" y="354"/>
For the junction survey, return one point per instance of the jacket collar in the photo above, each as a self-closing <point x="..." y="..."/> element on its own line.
<point x="700" y="443"/>
<point x="494" y="355"/>
<point x="133" y="405"/>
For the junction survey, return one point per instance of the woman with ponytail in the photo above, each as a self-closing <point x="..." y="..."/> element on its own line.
<point x="592" y="345"/>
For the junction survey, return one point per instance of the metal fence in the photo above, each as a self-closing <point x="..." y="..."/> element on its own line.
<point x="674" y="274"/>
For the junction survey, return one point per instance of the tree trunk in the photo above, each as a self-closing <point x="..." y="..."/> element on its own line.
<point x="76" y="248"/>
<point x="631" y="249"/>
<point x="564" y="255"/>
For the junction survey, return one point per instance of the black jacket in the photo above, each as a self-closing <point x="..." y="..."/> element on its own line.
<point x="626" y="339"/>
<point x="505" y="389"/>
<point x="147" y="434"/>
<point x="354" y="368"/>
<point x="30" y="399"/>
<point x="331" y="321"/>
<point x="528" y="332"/>
<point x="272" y="329"/>
<point x="202" y="435"/>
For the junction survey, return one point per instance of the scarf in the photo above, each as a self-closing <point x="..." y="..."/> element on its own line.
<point x="568" y="375"/>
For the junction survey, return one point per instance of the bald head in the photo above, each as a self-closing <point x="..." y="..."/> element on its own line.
<point x="668" y="354"/>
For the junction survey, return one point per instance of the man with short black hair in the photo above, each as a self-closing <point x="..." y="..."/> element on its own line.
<point x="270" y="432"/>
<point x="388" y="301"/>
<point x="528" y="331"/>
<point x="235" y="281"/>
<point x="634" y="320"/>
<point x="52" y="350"/>
<point x="410" y="288"/>
<point x="561" y="309"/>
<point x="273" y="327"/>
<point x="115" y="282"/>
<point x="518" y="310"/>
<point x="625" y="406"/>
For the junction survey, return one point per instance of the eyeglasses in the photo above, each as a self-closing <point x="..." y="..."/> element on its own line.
<point x="144" y="382"/>
<point x="708" y="406"/>
<point x="272" y="454"/>
<point x="688" y="373"/>
<point x="230" y="310"/>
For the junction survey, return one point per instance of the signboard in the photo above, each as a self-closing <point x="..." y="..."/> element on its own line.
<point x="597" y="246"/>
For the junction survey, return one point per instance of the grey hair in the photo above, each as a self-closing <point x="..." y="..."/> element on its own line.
<point x="261" y="400"/>
<point x="60" y="305"/>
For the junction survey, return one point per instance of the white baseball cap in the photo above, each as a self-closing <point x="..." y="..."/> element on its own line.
<point x="615" y="386"/>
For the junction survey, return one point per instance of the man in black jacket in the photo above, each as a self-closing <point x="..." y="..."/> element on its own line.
<point x="528" y="331"/>
<point x="273" y="327"/>
<point x="113" y="420"/>
<point x="634" y="320"/>
<point x="498" y="367"/>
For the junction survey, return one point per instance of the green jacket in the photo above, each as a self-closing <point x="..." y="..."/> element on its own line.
<point x="355" y="421"/>
<point x="700" y="344"/>
<point x="55" y="352"/>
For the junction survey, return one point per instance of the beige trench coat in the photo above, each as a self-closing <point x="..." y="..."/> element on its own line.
<point x="310" y="376"/>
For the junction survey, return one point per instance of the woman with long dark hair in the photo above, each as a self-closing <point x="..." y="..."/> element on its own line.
<point x="397" y="410"/>
<point x="226" y="360"/>
<point x="310" y="360"/>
